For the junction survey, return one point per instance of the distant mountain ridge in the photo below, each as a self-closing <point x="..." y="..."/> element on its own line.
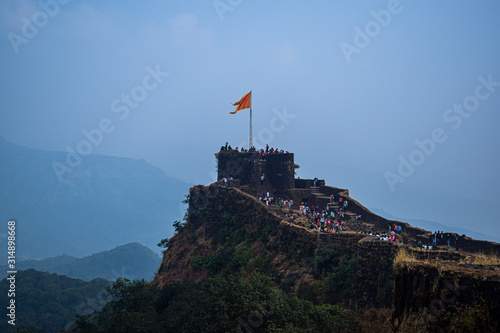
<point x="132" y="261"/>
<point x="104" y="202"/>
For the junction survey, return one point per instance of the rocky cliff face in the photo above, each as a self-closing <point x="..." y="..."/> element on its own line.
<point x="228" y="230"/>
<point x="446" y="297"/>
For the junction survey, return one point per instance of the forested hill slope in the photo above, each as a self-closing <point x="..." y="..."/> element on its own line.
<point x="229" y="230"/>
<point x="47" y="302"/>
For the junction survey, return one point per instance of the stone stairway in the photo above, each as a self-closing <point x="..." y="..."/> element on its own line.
<point x="323" y="200"/>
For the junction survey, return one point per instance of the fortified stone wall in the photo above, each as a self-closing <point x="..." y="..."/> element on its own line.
<point x="242" y="166"/>
<point x="281" y="173"/>
<point x="307" y="183"/>
<point x="248" y="168"/>
<point x="477" y="246"/>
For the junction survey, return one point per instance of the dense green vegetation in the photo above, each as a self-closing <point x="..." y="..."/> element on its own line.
<point x="234" y="253"/>
<point x="339" y="282"/>
<point x="219" y="304"/>
<point x="242" y="294"/>
<point x="49" y="302"/>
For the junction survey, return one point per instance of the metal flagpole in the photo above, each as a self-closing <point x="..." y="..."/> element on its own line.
<point x="250" y="144"/>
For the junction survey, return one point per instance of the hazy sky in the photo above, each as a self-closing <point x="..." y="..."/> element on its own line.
<point x="399" y="101"/>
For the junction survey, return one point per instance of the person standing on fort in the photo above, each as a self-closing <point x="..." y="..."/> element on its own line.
<point x="262" y="178"/>
<point x="457" y="238"/>
<point x="290" y="203"/>
<point x="448" y="238"/>
<point x="345" y="205"/>
<point x="331" y="198"/>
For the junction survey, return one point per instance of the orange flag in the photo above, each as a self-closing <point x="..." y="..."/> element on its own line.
<point x="244" y="103"/>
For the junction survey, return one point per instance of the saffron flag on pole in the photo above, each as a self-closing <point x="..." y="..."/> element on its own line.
<point x="244" y="103"/>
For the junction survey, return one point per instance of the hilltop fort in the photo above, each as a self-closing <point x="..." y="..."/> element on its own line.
<point x="258" y="215"/>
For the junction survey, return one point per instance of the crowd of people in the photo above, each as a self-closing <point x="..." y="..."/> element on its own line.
<point x="423" y="246"/>
<point x="262" y="152"/>
<point x="280" y="203"/>
<point x="227" y="146"/>
<point x="442" y="238"/>
<point x="325" y="219"/>
<point x="268" y="199"/>
<point x="393" y="234"/>
<point x="321" y="219"/>
<point x="439" y="238"/>
<point x="272" y="150"/>
<point x="389" y="237"/>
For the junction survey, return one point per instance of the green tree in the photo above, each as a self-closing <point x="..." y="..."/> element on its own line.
<point x="163" y="243"/>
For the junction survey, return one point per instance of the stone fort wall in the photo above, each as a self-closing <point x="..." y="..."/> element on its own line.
<point x="248" y="168"/>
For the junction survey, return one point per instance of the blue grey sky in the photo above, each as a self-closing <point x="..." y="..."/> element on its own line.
<point x="396" y="100"/>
